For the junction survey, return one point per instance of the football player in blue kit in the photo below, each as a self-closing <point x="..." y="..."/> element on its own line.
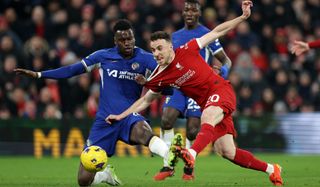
<point x="178" y="105"/>
<point x="118" y="67"/>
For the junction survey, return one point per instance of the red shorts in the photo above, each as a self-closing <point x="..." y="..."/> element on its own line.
<point x="224" y="127"/>
<point x="225" y="98"/>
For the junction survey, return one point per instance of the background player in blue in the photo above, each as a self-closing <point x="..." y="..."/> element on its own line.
<point x="118" y="67"/>
<point x="178" y="105"/>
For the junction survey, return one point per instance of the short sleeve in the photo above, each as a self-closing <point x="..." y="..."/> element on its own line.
<point x="192" y="45"/>
<point x="153" y="86"/>
<point x="215" y="47"/>
<point x="151" y="63"/>
<point x="92" y="61"/>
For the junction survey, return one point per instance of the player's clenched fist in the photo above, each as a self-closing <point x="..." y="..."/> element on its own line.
<point x="26" y="72"/>
<point x="246" y="8"/>
<point x="140" y="79"/>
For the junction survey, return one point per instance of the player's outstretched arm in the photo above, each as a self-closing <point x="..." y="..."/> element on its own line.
<point x="25" y="72"/>
<point x="223" y="28"/>
<point x="136" y="107"/>
<point x="299" y="47"/>
<point x="60" y="73"/>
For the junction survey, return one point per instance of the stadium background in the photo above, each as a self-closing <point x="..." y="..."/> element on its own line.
<point x="278" y="94"/>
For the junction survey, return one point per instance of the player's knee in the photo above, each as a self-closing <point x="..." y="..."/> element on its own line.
<point x="146" y="139"/>
<point x="167" y="122"/>
<point x="227" y="153"/>
<point x="144" y="136"/>
<point x="141" y="133"/>
<point x="192" y="133"/>
<point x="212" y="115"/>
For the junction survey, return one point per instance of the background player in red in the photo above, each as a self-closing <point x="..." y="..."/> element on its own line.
<point x="186" y="70"/>
<point x="300" y="47"/>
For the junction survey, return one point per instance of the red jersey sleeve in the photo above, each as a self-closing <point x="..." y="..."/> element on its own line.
<point x="192" y="45"/>
<point x="152" y="85"/>
<point x="314" y="44"/>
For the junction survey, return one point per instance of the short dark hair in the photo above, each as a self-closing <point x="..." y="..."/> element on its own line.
<point x="192" y="1"/>
<point x="122" y="24"/>
<point x="160" y="35"/>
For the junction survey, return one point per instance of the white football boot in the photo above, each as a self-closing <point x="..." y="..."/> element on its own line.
<point x="111" y="177"/>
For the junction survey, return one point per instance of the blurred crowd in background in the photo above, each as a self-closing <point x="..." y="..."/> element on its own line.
<point x="41" y="35"/>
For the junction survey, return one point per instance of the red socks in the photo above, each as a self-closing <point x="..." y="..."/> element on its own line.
<point x="242" y="158"/>
<point x="247" y="160"/>
<point x="203" y="138"/>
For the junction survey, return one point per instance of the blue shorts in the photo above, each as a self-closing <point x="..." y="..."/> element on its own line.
<point x="185" y="105"/>
<point x="106" y="136"/>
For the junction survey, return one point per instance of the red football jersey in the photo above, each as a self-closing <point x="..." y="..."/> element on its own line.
<point x="189" y="73"/>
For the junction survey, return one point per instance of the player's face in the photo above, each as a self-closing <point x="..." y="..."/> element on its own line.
<point x="162" y="51"/>
<point x="125" y="41"/>
<point x="191" y="14"/>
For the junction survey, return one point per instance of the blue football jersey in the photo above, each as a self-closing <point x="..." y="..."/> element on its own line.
<point x="184" y="35"/>
<point x="118" y="88"/>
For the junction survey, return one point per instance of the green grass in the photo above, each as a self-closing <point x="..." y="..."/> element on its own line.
<point x="298" y="171"/>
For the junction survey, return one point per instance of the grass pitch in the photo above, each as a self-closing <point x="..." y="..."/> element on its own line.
<point x="298" y="171"/>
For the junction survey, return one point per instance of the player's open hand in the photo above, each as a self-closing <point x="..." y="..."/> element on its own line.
<point x="140" y="79"/>
<point x="246" y="8"/>
<point x="26" y="72"/>
<point x="111" y="118"/>
<point x="299" y="47"/>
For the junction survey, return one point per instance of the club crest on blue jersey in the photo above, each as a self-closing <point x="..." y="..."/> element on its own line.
<point x="135" y="65"/>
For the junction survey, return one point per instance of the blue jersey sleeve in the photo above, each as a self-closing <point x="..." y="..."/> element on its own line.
<point x="151" y="63"/>
<point x="93" y="60"/>
<point x="64" y="72"/>
<point x="215" y="47"/>
<point x="179" y="38"/>
<point x="175" y="41"/>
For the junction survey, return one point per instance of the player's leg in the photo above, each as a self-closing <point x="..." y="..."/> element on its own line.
<point x="108" y="176"/>
<point x="193" y="114"/>
<point x="173" y="107"/>
<point x="211" y="116"/>
<point x="135" y="130"/>
<point x="168" y="119"/>
<point x="219" y="103"/>
<point x="192" y="129"/>
<point x="106" y="137"/>
<point x="141" y="133"/>
<point x="85" y="177"/>
<point x="225" y="147"/>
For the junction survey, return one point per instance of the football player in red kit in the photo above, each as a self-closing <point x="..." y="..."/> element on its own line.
<point x="186" y="70"/>
<point x="300" y="47"/>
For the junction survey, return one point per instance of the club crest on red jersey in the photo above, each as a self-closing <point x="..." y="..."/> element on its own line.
<point x="178" y="66"/>
<point x="135" y="65"/>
